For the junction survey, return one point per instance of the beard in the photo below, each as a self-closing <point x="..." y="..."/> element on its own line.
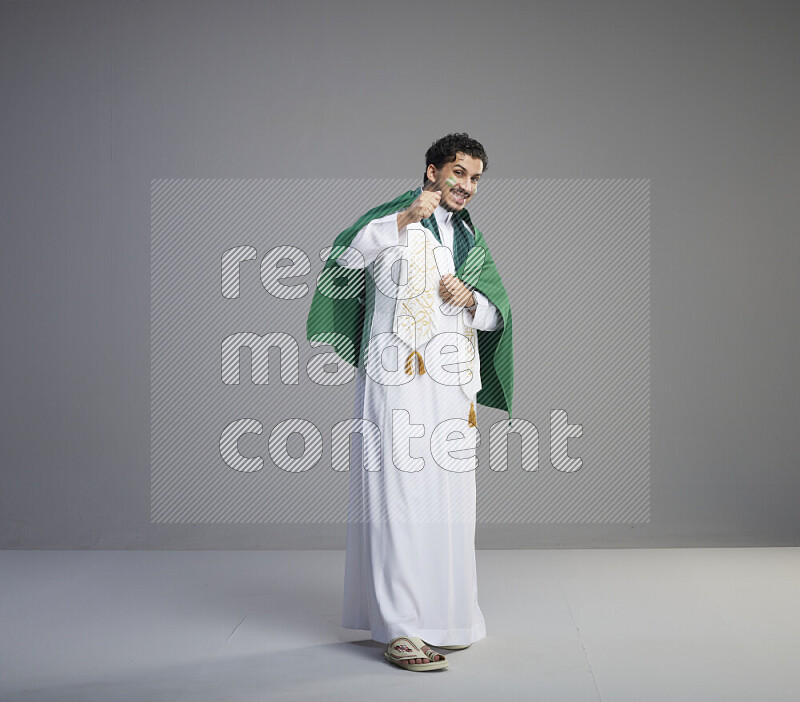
<point x="446" y="205"/>
<point x="446" y="189"/>
<point x="453" y="208"/>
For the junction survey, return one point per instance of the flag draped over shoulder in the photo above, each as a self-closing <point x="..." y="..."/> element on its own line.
<point x="336" y="316"/>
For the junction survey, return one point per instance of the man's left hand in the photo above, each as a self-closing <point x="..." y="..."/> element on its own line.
<point x="455" y="292"/>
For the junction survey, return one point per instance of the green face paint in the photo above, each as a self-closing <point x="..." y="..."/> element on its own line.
<point x="451" y="182"/>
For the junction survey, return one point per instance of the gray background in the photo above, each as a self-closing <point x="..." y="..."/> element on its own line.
<point x="100" y="98"/>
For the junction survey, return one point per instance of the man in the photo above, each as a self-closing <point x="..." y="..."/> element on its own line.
<point x="410" y="572"/>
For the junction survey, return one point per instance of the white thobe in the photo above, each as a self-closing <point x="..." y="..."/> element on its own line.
<point x="410" y="562"/>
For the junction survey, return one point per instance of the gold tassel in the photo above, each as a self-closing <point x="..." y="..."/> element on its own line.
<point x="473" y="420"/>
<point x="410" y="363"/>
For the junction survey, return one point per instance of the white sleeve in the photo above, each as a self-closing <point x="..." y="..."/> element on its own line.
<point x="378" y="235"/>
<point x="485" y="316"/>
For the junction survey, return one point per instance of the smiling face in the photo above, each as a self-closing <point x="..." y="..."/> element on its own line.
<point x="464" y="174"/>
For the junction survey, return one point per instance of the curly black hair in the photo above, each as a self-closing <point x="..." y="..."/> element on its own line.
<point x="444" y="150"/>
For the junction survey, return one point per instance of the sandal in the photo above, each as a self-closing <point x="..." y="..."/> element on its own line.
<point x="407" y="648"/>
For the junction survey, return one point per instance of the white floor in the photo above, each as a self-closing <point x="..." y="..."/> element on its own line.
<point x="195" y="626"/>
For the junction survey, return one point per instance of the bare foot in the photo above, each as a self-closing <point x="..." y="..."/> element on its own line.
<point x="429" y="652"/>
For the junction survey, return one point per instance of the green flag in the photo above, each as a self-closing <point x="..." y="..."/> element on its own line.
<point x="337" y="309"/>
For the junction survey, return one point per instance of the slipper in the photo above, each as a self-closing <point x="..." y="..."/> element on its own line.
<point x="408" y="648"/>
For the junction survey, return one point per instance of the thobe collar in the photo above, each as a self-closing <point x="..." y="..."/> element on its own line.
<point x="443" y="216"/>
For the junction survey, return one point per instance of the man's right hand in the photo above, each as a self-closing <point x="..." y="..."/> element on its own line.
<point x="422" y="208"/>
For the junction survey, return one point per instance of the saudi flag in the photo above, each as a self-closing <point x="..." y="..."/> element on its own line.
<point x="337" y="309"/>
